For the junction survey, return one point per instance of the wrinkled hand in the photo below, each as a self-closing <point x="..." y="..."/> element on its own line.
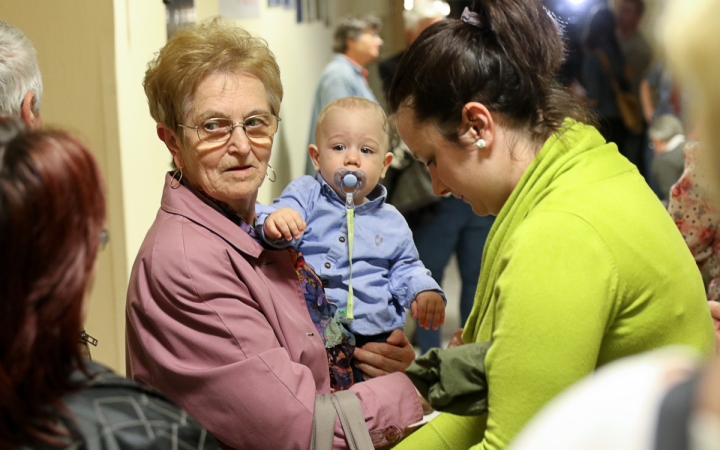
<point x="715" y="313"/>
<point x="428" y="308"/>
<point x="456" y="339"/>
<point x="284" y="223"/>
<point x="376" y="358"/>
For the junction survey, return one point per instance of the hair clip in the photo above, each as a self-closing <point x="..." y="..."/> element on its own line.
<point x="471" y="18"/>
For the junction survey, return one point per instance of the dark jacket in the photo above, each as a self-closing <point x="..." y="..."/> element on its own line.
<point x="113" y="412"/>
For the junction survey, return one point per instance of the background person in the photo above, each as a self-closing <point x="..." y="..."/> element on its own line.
<point x="357" y="43"/>
<point x="583" y="265"/>
<point x="227" y="328"/>
<point x="21" y="84"/>
<point x="603" y="61"/>
<point x="52" y="214"/>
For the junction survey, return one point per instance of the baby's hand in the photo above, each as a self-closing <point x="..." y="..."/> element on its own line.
<point x="284" y="223"/>
<point x="428" y="308"/>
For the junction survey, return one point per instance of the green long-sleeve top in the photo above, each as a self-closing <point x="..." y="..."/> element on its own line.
<point x="583" y="266"/>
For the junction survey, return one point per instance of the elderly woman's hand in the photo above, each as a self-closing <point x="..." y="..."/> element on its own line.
<point x="376" y="358"/>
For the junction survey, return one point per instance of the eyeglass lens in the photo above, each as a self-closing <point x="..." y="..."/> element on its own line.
<point x="259" y="126"/>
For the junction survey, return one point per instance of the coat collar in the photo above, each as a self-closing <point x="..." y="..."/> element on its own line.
<point x="187" y="202"/>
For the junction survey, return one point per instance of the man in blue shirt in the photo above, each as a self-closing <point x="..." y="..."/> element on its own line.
<point x="380" y="275"/>
<point x="357" y="44"/>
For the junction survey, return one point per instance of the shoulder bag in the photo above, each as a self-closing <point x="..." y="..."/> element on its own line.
<point x="628" y="104"/>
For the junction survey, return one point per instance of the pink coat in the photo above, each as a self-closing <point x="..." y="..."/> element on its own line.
<point x="220" y="326"/>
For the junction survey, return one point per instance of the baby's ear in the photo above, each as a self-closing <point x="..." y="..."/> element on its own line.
<point x="314" y="156"/>
<point x="386" y="163"/>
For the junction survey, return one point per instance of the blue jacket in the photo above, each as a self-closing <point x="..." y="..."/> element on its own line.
<point x="387" y="274"/>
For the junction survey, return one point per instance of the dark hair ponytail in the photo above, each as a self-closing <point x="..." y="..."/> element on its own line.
<point x="508" y="61"/>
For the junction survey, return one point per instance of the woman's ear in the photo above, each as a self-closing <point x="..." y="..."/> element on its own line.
<point x="172" y="142"/>
<point x="479" y="124"/>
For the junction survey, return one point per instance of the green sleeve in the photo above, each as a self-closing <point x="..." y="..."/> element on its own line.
<point x="555" y="297"/>
<point x="446" y="432"/>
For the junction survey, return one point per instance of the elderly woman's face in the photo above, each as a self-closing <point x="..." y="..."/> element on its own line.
<point x="231" y="171"/>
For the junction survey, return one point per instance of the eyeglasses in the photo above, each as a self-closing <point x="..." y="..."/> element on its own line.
<point x="219" y="130"/>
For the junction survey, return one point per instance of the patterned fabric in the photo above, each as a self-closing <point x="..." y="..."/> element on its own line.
<point x="339" y="341"/>
<point x="697" y="218"/>
<point x="113" y="412"/>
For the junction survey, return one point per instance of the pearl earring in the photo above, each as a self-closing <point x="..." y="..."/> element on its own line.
<point x="481" y="143"/>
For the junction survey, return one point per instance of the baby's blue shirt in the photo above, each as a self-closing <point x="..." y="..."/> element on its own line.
<point x="387" y="273"/>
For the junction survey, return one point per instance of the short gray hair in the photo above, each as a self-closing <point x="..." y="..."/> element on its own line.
<point x="663" y="128"/>
<point x="352" y="28"/>
<point x="19" y="71"/>
<point x="421" y="10"/>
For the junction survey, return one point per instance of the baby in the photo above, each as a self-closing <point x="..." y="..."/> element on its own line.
<point x="381" y="267"/>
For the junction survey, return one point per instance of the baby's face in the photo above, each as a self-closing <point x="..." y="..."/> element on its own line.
<point x="353" y="139"/>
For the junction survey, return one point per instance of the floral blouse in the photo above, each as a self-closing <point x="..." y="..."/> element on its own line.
<point x="697" y="218"/>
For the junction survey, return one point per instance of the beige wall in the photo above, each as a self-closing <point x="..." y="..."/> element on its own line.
<point x="74" y="41"/>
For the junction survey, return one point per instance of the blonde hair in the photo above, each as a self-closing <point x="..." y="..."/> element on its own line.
<point x="691" y="34"/>
<point x="355" y="103"/>
<point x="194" y="53"/>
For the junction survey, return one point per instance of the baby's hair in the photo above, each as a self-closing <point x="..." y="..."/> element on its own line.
<point x="356" y="103"/>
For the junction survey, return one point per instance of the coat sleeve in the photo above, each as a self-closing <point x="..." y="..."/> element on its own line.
<point x="200" y="335"/>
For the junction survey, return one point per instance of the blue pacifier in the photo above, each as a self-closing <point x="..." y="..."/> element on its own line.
<point x="350" y="183"/>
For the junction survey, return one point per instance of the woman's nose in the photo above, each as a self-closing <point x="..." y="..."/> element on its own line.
<point x="438" y="187"/>
<point x="239" y="141"/>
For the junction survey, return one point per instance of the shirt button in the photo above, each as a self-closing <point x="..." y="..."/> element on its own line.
<point x="342" y="238"/>
<point x="327" y="265"/>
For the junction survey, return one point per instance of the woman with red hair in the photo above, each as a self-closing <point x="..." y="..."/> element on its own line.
<point x="52" y="216"/>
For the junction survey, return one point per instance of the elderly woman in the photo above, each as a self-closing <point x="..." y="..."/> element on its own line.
<point x="52" y="214"/>
<point x="240" y="335"/>
<point x="583" y="265"/>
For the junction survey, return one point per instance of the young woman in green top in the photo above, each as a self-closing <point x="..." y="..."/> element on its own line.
<point x="583" y="265"/>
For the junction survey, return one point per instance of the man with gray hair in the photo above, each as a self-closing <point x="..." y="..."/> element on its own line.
<point x="20" y="81"/>
<point x="667" y="137"/>
<point x="357" y="44"/>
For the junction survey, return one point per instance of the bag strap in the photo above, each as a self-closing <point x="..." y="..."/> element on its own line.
<point x="346" y="406"/>
<point x="323" y="423"/>
<point x="606" y="64"/>
<point x="352" y="419"/>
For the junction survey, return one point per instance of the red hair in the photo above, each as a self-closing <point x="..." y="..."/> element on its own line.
<point x="52" y="212"/>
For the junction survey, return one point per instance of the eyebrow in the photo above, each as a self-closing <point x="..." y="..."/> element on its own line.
<point x="216" y="114"/>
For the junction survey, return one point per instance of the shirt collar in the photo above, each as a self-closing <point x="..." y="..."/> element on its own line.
<point x="358" y="68"/>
